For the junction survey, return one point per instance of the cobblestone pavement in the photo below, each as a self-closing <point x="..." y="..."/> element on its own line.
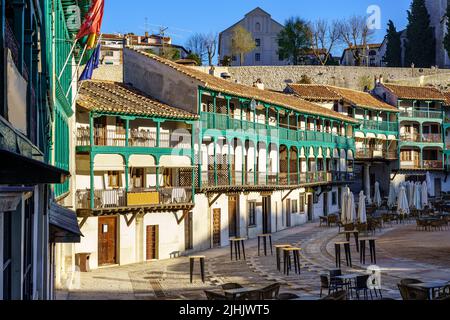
<point x="401" y="252"/>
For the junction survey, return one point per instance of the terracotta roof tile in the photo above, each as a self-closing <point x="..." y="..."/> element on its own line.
<point x="314" y="92"/>
<point x="331" y="93"/>
<point x="447" y="97"/>
<point x="243" y="91"/>
<point x="364" y="99"/>
<point x="415" y="93"/>
<point x="113" y="97"/>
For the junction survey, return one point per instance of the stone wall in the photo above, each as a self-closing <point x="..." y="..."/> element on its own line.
<point x="276" y="78"/>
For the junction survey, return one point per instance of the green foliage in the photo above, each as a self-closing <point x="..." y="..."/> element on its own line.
<point x="170" y="54"/>
<point x="304" y="79"/>
<point x="226" y="61"/>
<point x="242" y="42"/>
<point x="195" y="57"/>
<point x="421" y="46"/>
<point x="447" y="36"/>
<point x="365" y="83"/>
<point x="393" y="57"/>
<point x="294" y="40"/>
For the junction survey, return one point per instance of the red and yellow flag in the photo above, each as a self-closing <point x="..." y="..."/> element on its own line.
<point x="93" y="20"/>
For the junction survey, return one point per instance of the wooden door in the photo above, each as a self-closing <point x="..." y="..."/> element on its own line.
<point x="437" y="187"/>
<point x="152" y="239"/>
<point x="188" y="234"/>
<point x="267" y="215"/>
<point x="288" y="212"/>
<point x="107" y="229"/>
<point x="310" y="207"/>
<point x="216" y="227"/>
<point x="232" y="216"/>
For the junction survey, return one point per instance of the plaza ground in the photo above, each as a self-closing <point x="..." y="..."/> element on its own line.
<point x="402" y="252"/>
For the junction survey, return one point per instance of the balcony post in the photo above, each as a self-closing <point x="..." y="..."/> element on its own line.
<point x="216" y="177"/>
<point x="267" y="115"/>
<point x="307" y="165"/>
<point x="127" y="132"/>
<point x="158" y="133"/>
<point x="241" y="105"/>
<point x="157" y="174"/>
<point x="421" y="158"/>
<point x="278" y="164"/>
<point x="229" y="163"/>
<point x="267" y="161"/>
<point x="214" y="108"/>
<point x="388" y="121"/>
<point x="127" y="173"/>
<point x="288" y="165"/>
<point x="228" y="111"/>
<point x="91" y="181"/>
<point x="298" y="165"/>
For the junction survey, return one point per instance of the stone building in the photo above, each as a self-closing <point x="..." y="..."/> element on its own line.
<point x="264" y="31"/>
<point x="437" y="10"/>
<point x="371" y="56"/>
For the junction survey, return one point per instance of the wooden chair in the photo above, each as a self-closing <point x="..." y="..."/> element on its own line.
<point x="231" y="286"/>
<point x="270" y="292"/>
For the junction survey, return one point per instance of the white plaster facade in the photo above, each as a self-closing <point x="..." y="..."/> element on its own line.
<point x="264" y="31"/>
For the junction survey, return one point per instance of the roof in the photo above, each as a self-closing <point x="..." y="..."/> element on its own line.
<point x="415" y="93"/>
<point x="314" y="92"/>
<point x="113" y="97"/>
<point x="354" y="97"/>
<point x="363" y="99"/>
<point x="370" y="45"/>
<point x="243" y="91"/>
<point x="447" y="97"/>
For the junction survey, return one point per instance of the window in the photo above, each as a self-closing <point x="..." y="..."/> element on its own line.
<point x="302" y="203"/>
<point x="234" y="58"/>
<point x="294" y="206"/>
<point x="334" y="198"/>
<point x="114" y="179"/>
<point x="336" y="107"/>
<point x="257" y="57"/>
<point x="137" y="178"/>
<point x="258" y="27"/>
<point x="252" y="213"/>
<point x="258" y="42"/>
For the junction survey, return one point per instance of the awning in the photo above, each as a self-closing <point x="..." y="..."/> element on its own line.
<point x="17" y="169"/>
<point x="63" y="225"/>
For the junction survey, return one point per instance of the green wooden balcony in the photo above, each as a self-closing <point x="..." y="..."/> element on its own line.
<point x="422" y="114"/>
<point x="224" y="122"/>
<point x="384" y="126"/>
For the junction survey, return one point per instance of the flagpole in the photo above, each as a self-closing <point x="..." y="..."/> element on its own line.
<point x="78" y="68"/>
<point x="67" y="60"/>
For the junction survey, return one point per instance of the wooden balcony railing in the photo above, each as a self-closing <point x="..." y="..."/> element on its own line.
<point x="136" y="138"/>
<point x="419" y="113"/>
<point x="427" y="164"/>
<point x="119" y="198"/>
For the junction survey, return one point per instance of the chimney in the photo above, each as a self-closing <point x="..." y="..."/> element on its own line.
<point x="212" y="71"/>
<point x="139" y="39"/>
<point x="146" y="34"/>
<point x="259" y="84"/>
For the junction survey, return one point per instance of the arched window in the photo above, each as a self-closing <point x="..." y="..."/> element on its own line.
<point x="258" y="27"/>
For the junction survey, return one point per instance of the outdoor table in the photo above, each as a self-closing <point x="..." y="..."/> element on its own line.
<point x="237" y="242"/>
<point x="234" y="293"/>
<point x="348" y="278"/>
<point x="431" y="286"/>
<point x="355" y="233"/>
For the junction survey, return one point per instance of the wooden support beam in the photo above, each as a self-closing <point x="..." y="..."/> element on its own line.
<point x="82" y="222"/>
<point x="214" y="199"/>
<point x="133" y="217"/>
<point x="180" y="220"/>
<point x="287" y="195"/>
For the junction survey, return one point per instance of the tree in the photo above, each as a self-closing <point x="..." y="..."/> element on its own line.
<point x="356" y="34"/>
<point x="324" y="37"/>
<point x="294" y="40"/>
<point x="170" y="54"/>
<point x="242" y="42"/>
<point x="421" y="44"/>
<point x="393" y="57"/>
<point x="447" y="36"/>
<point x="195" y="57"/>
<point x="196" y="44"/>
<point x="210" y="42"/>
<point x="203" y="45"/>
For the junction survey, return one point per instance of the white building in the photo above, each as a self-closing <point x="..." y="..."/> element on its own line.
<point x="372" y="55"/>
<point x="264" y="31"/>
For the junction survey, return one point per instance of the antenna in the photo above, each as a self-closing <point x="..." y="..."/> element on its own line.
<point x="146" y="25"/>
<point x="162" y="30"/>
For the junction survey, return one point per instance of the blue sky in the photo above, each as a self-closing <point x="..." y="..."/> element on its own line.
<point x="185" y="17"/>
